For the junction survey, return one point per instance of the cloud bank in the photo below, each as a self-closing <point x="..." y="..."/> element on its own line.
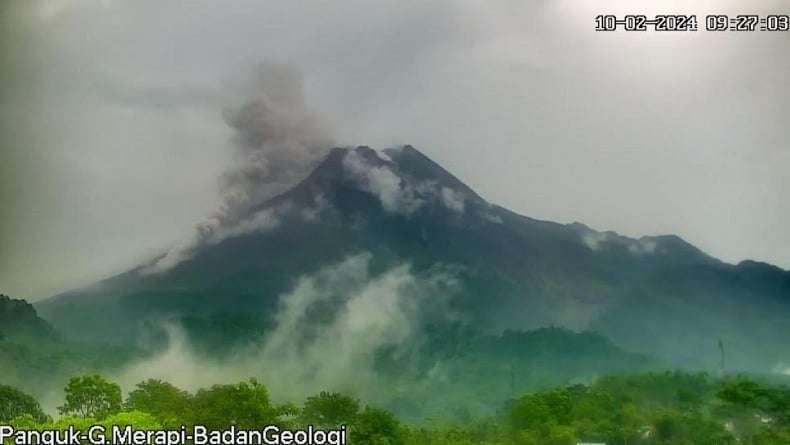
<point x="332" y="321"/>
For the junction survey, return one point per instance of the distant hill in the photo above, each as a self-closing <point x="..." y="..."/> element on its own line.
<point x="35" y="357"/>
<point x="19" y="322"/>
<point x="657" y="295"/>
<point x="457" y="368"/>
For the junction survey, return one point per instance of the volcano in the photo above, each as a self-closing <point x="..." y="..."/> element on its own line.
<point x="657" y="295"/>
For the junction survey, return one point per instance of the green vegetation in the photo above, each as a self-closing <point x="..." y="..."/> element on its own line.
<point x="455" y="387"/>
<point x="161" y="400"/>
<point x="637" y="409"/>
<point x="20" y="322"/>
<point x="449" y="370"/>
<point x="15" y="403"/>
<point x="91" y="396"/>
<point x="246" y="405"/>
<point x="329" y="409"/>
<point x="36" y="358"/>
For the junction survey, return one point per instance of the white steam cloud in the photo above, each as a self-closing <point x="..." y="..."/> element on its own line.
<point x="360" y="315"/>
<point x="598" y="240"/>
<point x="594" y="240"/>
<point x="453" y="200"/>
<point x="642" y="246"/>
<point x="396" y="193"/>
<point x="374" y="313"/>
<point x="781" y="368"/>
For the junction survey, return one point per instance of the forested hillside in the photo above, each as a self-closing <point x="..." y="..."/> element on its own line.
<point x="451" y="370"/>
<point x="637" y="409"/>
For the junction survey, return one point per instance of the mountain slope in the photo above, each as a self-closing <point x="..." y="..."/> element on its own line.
<point x="20" y="323"/>
<point x="657" y="295"/>
<point x="36" y="358"/>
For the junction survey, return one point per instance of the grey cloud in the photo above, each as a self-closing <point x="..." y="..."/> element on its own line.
<point x="113" y="132"/>
<point x="213" y="232"/>
<point x="279" y="140"/>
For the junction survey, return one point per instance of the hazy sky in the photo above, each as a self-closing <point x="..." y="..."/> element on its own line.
<point x="112" y="135"/>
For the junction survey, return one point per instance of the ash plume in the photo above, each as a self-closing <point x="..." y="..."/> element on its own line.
<point x="277" y="141"/>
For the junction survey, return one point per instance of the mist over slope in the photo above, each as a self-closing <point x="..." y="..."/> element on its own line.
<point x="397" y="208"/>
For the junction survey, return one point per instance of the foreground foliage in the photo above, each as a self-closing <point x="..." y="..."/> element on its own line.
<point x="648" y="409"/>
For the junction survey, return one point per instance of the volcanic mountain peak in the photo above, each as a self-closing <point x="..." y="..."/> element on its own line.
<point x="513" y="271"/>
<point x="348" y="181"/>
<point x="403" y="159"/>
<point x="354" y="185"/>
<point x="402" y="180"/>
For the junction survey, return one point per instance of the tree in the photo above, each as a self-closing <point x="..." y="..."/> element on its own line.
<point x="741" y="392"/>
<point x="245" y="405"/>
<point x="672" y="427"/>
<point x="91" y="396"/>
<point x="137" y="419"/>
<point x="161" y="400"/>
<point x="15" y="403"/>
<point x="529" y="412"/>
<point x="561" y="435"/>
<point x="329" y="410"/>
<point x="376" y="426"/>
<point x="668" y="426"/>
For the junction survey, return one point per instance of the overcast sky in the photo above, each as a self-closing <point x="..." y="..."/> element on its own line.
<point x="113" y="139"/>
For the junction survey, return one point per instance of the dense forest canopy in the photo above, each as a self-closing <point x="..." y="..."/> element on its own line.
<point x="671" y="408"/>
